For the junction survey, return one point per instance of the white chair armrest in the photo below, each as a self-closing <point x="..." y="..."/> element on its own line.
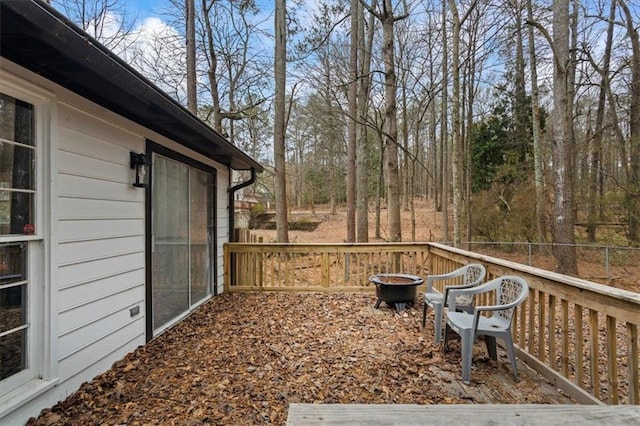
<point x="473" y="291"/>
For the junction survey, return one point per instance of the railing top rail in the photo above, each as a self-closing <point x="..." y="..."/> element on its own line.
<point x="385" y="244"/>
<point x="529" y="243"/>
<point x="549" y="276"/>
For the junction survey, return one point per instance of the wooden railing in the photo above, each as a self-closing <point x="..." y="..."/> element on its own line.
<point x="317" y="267"/>
<point x="581" y="335"/>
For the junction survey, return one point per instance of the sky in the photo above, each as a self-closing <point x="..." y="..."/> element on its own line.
<point x="154" y="8"/>
<point x="147" y="8"/>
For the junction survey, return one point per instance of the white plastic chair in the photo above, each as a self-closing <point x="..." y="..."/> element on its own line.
<point x="471" y="275"/>
<point x="510" y="291"/>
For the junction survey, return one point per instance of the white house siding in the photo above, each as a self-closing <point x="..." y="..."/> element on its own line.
<point x="101" y="243"/>
<point x="222" y="215"/>
<point x="98" y="241"/>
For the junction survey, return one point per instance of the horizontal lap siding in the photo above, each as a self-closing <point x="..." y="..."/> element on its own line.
<point x="100" y="251"/>
<point x="222" y="227"/>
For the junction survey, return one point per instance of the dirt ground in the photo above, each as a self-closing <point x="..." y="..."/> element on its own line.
<point x="332" y="229"/>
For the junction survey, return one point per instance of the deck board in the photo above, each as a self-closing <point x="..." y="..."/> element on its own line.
<point x="466" y="414"/>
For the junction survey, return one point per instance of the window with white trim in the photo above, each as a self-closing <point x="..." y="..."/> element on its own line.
<point x="20" y="241"/>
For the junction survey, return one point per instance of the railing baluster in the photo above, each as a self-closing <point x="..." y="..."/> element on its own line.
<point x="523" y="325"/>
<point x="612" y="360"/>
<point x="552" y="333"/>
<point x="594" y="337"/>
<point x="541" y="324"/>
<point x="532" y="321"/>
<point x="564" y="305"/>
<point x="579" y="348"/>
<point x="633" y="358"/>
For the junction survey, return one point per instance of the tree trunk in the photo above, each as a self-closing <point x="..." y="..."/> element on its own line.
<point x="352" y="124"/>
<point x="538" y="161"/>
<point x="213" y="68"/>
<point x="444" y="134"/>
<point x="455" y="126"/>
<point x="596" y="145"/>
<point x="562" y="225"/>
<point x="378" y="233"/>
<point x="362" y="149"/>
<point x="282" y="224"/>
<point x="391" y="121"/>
<point x="520" y="94"/>
<point x="192" y="102"/>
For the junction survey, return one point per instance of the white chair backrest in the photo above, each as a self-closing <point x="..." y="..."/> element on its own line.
<point x="511" y="292"/>
<point x="474" y="273"/>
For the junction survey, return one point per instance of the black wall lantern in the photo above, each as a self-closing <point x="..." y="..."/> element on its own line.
<point x="140" y="163"/>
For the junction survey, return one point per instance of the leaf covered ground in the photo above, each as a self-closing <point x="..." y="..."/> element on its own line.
<point x="243" y="358"/>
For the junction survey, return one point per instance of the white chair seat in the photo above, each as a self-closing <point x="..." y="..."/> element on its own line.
<point x="471" y="275"/>
<point x="464" y="321"/>
<point x="433" y="298"/>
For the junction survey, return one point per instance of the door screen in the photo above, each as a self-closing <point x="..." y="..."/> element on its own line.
<point x="181" y="239"/>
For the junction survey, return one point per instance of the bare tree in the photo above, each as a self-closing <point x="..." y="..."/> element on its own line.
<point x="192" y="97"/>
<point x="387" y="18"/>
<point x="280" y="70"/>
<point x="108" y="21"/>
<point x="353" y="125"/>
<point x="563" y="232"/>
<point x="541" y="221"/>
<point x="362" y="148"/>
<point x="444" y="133"/>
<point x="458" y="147"/>
<point x="212" y="69"/>
<point x="596" y="143"/>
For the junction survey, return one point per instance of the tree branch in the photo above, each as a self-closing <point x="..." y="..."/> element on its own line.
<point x="547" y="36"/>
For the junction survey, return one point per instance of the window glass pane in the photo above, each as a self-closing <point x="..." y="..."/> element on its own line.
<point x="170" y="281"/>
<point x="200" y="207"/>
<point x="16" y="166"/>
<point x="16" y="120"/>
<point x="13" y="353"/>
<point x="12" y="312"/>
<point x="16" y="212"/>
<point x="13" y="264"/>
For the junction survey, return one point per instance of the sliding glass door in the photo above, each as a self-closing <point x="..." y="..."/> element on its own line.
<point x="182" y="238"/>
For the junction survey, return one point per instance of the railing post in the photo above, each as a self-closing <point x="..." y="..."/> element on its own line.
<point x="325" y="269"/>
<point x="227" y="268"/>
<point x="606" y="260"/>
<point x="347" y="266"/>
<point x="529" y="244"/>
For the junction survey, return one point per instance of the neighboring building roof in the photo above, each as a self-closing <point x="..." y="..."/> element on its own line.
<point x="37" y="37"/>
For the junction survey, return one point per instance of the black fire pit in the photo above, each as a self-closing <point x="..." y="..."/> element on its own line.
<point x="396" y="290"/>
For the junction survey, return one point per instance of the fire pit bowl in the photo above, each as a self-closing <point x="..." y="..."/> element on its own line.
<point x="396" y="289"/>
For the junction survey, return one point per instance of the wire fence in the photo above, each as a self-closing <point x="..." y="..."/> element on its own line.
<point x="595" y="262"/>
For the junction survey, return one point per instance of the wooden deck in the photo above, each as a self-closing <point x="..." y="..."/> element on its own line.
<point x="496" y="384"/>
<point x="410" y="414"/>
<point x="577" y="333"/>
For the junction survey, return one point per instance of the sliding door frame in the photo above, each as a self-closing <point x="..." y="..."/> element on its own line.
<point x="155" y="148"/>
